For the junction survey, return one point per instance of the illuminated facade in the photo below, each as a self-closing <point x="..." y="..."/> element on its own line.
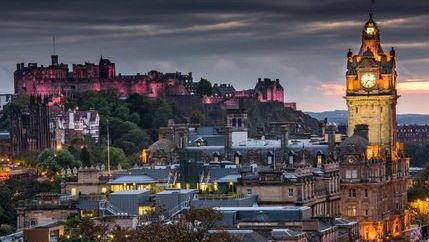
<point x="374" y="171"/>
<point x="57" y="78"/>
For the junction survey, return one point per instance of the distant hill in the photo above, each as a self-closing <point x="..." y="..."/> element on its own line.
<point x="340" y="117"/>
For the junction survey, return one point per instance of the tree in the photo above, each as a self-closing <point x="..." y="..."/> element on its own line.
<point x="52" y="162"/>
<point x="195" y="226"/>
<point x="420" y="188"/>
<point x="196" y="117"/>
<point x="419" y="154"/>
<point x="204" y="87"/>
<point x="117" y="156"/>
<point x="85" y="156"/>
<point x="16" y="107"/>
<point x="162" y="115"/>
<point x="6" y="210"/>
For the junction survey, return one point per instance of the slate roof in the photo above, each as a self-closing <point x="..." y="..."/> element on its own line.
<point x="141" y="179"/>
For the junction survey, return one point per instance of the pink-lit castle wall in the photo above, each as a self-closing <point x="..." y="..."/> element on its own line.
<point x="58" y="79"/>
<point x="268" y="90"/>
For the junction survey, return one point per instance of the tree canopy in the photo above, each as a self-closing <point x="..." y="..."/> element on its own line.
<point x="194" y="226"/>
<point x="51" y="161"/>
<point x="204" y="87"/>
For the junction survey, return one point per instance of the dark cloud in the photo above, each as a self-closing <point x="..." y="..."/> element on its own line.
<point x="302" y="42"/>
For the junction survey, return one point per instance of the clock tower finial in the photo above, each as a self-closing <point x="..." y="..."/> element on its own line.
<point x="371" y="9"/>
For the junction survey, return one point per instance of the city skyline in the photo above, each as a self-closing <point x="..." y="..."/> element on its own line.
<point x="302" y="43"/>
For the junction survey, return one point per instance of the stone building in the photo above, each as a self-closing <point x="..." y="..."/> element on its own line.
<point x="268" y="90"/>
<point x="30" y="131"/>
<point x="413" y="133"/>
<point x="57" y="78"/>
<point x="298" y="183"/>
<point x="171" y="139"/>
<point x="374" y="170"/>
<point x="75" y="124"/>
<point x="43" y="209"/>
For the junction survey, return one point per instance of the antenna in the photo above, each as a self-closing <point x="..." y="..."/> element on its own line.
<point x="371" y="8"/>
<point x="108" y="149"/>
<point x="53" y="44"/>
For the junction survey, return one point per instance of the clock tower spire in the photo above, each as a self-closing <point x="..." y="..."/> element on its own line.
<point x="371" y="88"/>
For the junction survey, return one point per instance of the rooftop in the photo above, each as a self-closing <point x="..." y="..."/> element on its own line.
<point x="140" y="179"/>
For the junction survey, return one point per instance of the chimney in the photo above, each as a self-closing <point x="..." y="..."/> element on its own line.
<point x="362" y="130"/>
<point x="284" y="140"/>
<point x="228" y="142"/>
<point x="54" y="60"/>
<point x="330" y="130"/>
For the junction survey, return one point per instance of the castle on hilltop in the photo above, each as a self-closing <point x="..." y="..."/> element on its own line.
<point x="57" y="78"/>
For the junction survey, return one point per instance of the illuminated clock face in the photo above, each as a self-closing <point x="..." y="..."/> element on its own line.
<point x="370" y="30"/>
<point x="368" y="80"/>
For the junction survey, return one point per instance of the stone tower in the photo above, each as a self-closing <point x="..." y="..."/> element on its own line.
<point x="374" y="170"/>
<point x="371" y="88"/>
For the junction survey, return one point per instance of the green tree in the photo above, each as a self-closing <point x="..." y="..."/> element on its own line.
<point x="52" y="162"/>
<point x="117" y="156"/>
<point x="418" y="153"/>
<point x="195" y="226"/>
<point x="196" y="117"/>
<point x="16" y="107"/>
<point x="85" y="156"/>
<point x="204" y="87"/>
<point x="162" y="115"/>
<point x="6" y="210"/>
<point x="420" y="188"/>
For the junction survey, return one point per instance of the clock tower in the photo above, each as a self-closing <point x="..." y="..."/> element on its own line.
<point x="371" y="88"/>
<point x="373" y="166"/>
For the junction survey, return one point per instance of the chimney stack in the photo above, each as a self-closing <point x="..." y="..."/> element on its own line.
<point x="330" y="130"/>
<point x="54" y="60"/>
<point x="284" y="140"/>
<point x="362" y="130"/>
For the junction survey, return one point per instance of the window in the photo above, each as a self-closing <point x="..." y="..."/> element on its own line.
<point x="366" y="193"/>
<point x="351" y="174"/>
<point x="249" y="191"/>
<point x="290" y="192"/>
<point x="366" y="212"/>
<point x="352" y="192"/>
<point x="348" y="174"/>
<point x="103" y="190"/>
<point x="351" y="210"/>
<point x="73" y="191"/>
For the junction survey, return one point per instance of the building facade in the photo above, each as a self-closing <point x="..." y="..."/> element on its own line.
<point x="374" y="170"/>
<point x="413" y="133"/>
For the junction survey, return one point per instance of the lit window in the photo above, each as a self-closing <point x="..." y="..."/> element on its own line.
<point x="73" y="191"/>
<point x="351" y="210"/>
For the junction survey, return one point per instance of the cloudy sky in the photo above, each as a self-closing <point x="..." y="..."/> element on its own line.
<point x="301" y="42"/>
